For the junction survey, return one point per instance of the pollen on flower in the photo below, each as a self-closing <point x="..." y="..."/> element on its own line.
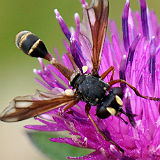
<point x="127" y="93"/>
<point x="85" y="141"/>
<point x="112" y="148"/>
<point x="73" y="36"/>
<point x="103" y="152"/>
<point x="84" y="3"/>
<point x="58" y="16"/>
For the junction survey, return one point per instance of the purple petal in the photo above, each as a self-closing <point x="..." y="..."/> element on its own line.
<point x="144" y="18"/>
<point x="152" y="60"/>
<point x="63" y="25"/>
<point x="125" y="25"/>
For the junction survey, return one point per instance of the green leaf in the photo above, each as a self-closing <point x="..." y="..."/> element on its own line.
<point x="55" y="151"/>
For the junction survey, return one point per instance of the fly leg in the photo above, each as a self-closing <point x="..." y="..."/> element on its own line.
<point x="87" y="109"/>
<point x="71" y="104"/>
<point x="110" y="69"/>
<point x="111" y="83"/>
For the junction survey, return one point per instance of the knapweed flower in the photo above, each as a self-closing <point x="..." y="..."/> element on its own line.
<point x="136" y="60"/>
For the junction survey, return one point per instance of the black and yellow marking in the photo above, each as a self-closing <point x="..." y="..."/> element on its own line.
<point x="118" y="100"/>
<point x="111" y="110"/>
<point x="30" y="44"/>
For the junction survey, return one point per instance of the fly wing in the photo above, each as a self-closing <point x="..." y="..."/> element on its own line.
<point x="97" y="15"/>
<point x="24" y="107"/>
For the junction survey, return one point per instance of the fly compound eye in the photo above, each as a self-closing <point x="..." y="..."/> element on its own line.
<point x="31" y="45"/>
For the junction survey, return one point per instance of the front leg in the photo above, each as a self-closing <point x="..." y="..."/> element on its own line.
<point x="87" y="109"/>
<point x="110" y="69"/>
<point x="111" y="83"/>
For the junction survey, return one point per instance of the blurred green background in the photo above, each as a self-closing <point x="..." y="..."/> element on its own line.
<point x="16" y="76"/>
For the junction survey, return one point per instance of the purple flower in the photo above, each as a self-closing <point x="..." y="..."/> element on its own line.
<point x="136" y="60"/>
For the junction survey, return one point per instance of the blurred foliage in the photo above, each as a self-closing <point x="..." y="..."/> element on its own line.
<point x="56" y="151"/>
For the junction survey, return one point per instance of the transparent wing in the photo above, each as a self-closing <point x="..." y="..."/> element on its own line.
<point x="97" y="17"/>
<point x="24" y="107"/>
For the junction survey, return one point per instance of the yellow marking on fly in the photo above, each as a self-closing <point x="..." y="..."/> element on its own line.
<point x="104" y="88"/>
<point x="111" y="110"/>
<point x="24" y="37"/>
<point x="84" y="69"/>
<point x="19" y="35"/>
<point x="97" y="99"/>
<point x="119" y="100"/>
<point x="69" y="92"/>
<point x="34" y="46"/>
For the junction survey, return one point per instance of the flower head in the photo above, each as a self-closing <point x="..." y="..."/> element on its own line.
<point x="135" y="59"/>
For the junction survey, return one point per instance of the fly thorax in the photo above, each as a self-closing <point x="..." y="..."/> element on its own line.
<point x="90" y="89"/>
